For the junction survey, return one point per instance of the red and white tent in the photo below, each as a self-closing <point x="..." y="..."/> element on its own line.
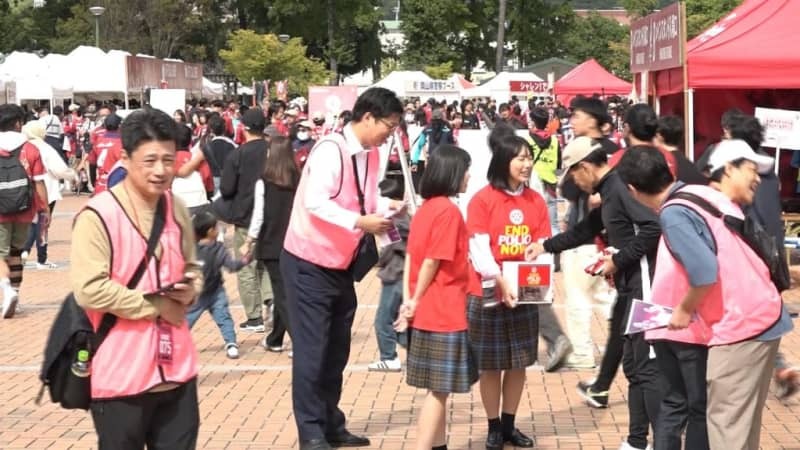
<point x="749" y="58"/>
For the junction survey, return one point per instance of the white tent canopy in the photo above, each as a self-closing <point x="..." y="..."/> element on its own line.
<point x="37" y="78"/>
<point x="100" y="72"/>
<point x="398" y="80"/>
<point x="212" y="90"/>
<point x="498" y="87"/>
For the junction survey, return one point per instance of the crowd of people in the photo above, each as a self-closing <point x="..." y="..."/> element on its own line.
<point x="313" y="208"/>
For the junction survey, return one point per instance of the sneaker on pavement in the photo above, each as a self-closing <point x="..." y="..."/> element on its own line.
<point x="593" y="398"/>
<point x="24" y="256"/>
<point x="574" y="362"/>
<point x="271" y="348"/>
<point x="232" y="350"/>
<point x="626" y="446"/>
<point x="386" y="365"/>
<point x="46" y="265"/>
<point x="254" y="325"/>
<point x="561" y="350"/>
<point x="10" y="301"/>
<point x="787" y="381"/>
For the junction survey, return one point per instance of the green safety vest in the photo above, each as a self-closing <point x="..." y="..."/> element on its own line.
<point x="546" y="161"/>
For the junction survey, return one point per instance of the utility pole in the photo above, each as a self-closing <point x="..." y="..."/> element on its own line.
<point x="501" y="36"/>
<point x="331" y="50"/>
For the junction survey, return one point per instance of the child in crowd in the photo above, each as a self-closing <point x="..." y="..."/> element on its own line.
<point x="213" y="298"/>
<point x="435" y="284"/>
<point x="391" y="262"/>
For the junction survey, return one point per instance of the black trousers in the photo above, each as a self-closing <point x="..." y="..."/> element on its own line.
<point x="166" y="420"/>
<point x="645" y="389"/>
<point x="280" y="313"/>
<point x="322" y="305"/>
<point x="614" y="345"/>
<point x="684" y="404"/>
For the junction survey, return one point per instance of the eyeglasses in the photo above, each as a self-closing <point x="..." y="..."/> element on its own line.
<point x="391" y="126"/>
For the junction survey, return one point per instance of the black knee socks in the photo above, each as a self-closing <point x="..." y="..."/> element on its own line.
<point x="495" y="426"/>
<point x="441" y="447"/>
<point x="508" y="424"/>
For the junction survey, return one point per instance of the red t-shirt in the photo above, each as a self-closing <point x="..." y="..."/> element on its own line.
<point x="614" y="160"/>
<point x="512" y="223"/>
<point x="438" y="232"/>
<point x="111" y="144"/>
<point x="184" y="156"/>
<point x="32" y="162"/>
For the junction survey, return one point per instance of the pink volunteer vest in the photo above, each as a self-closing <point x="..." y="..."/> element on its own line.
<point x="320" y="242"/>
<point x="126" y="364"/>
<point x="743" y="303"/>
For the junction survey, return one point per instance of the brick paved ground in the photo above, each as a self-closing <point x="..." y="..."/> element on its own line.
<point x="246" y="404"/>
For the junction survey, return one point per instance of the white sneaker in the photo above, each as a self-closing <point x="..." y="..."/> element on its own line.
<point x="389" y="365"/>
<point x="232" y="350"/>
<point x="626" y="446"/>
<point x="47" y="265"/>
<point x="24" y="256"/>
<point x="10" y="300"/>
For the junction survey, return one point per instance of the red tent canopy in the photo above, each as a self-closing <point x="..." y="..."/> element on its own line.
<point x="591" y="78"/>
<point x="754" y="47"/>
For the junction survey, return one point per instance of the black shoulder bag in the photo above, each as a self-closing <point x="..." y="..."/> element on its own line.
<point x="754" y="235"/>
<point x="72" y="331"/>
<point x="366" y="254"/>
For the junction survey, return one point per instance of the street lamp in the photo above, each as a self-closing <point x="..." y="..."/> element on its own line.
<point x="97" y="11"/>
<point x="284" y="38"/>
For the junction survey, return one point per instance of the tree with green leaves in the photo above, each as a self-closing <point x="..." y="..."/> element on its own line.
<point x="700" y="15"/>
<point x="604" y="39"/>
<point x="253" y="56"/>
<point x="434" y="32"/>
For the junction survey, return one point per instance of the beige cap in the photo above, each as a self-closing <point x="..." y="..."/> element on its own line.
<point x="575" y="152"/>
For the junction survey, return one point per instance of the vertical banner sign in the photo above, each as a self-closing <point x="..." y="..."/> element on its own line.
<point x="331" y="100"/>
<point x="657" y="41"/>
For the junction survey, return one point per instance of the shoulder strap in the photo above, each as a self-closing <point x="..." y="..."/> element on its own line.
<point x="359" y="190"/>
<point x="697" y="200"/>
<point x="109" y="320"/>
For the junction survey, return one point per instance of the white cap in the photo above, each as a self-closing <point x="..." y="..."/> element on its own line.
<point x="734" y="149"/>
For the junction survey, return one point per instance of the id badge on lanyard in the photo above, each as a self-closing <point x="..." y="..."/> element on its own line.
<point x="164" y="352"/>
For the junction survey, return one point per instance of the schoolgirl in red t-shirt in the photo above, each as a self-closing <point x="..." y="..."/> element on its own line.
<point x="502" y="219"/>
<point x="435" y="291"/>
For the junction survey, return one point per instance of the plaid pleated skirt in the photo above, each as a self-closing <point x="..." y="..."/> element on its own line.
<point x="440" y="362"/>
<point x="501" y="337"/>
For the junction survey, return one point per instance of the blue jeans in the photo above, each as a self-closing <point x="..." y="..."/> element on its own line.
<point x="391" y="298"/>
<point x="552" y="209"/>
<point x="217" y="304"/>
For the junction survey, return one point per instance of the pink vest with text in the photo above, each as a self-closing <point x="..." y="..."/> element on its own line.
<point x="742" y="304"/>
<point x="323" y="243"/>
<point x="126" y="363"/>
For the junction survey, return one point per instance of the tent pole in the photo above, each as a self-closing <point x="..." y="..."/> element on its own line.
<point x="688" y="94"/>
<point x="689" y="124"/>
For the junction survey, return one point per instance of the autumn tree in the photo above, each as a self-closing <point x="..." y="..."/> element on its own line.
<point x="253" y="56"/>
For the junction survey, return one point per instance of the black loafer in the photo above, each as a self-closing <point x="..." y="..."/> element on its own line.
<point x="517" y="439"/>
<point x="347" y="439"/>
<point x="315" y="444"/>
<point x="494" y="441"/>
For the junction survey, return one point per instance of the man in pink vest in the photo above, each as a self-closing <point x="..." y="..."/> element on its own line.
<point x="144" y="375"/>
<point x="324" y="232"/>
<point x="718" y="350"/>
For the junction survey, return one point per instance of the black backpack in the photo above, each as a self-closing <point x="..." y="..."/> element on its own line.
<point x="72" y="331"/>
<point x="16" y="187"/>
<point x="754" y="235"/>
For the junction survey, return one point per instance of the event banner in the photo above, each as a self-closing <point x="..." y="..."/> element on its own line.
<point x="657" y="40"/>
<point x="532" y="281"/>
<point x="331" y="100"/>
<point x="781" y="128"/>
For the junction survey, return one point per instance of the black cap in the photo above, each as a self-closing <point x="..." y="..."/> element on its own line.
<point x="254" y="120"/>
